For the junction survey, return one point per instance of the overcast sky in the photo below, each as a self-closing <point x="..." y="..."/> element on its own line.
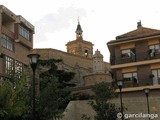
<point x="55" y="21"/>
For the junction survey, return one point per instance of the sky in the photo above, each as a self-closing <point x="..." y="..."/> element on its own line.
<point x="55" y="21"/>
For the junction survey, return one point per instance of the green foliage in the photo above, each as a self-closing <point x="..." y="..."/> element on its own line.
<point x="103" y="92"/>
<point x="52" y="100"/>
<point x="54" y="91"/>
<point x="62" y="76"/>
<point x="16" y="96"/>
<point x="103" y="108"/>
<point x="14" y="100"/>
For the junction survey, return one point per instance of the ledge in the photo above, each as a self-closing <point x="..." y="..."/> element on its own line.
<point x="135" y="63"/>
<point x="134" y="89"/>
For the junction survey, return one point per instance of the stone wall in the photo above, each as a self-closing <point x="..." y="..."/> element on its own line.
<point x="134" y="100"/>
<point x="81" y="66"/>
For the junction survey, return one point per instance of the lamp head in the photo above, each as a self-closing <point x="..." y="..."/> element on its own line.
<point x="119" y="83"/>
<point x="33" y="58"/>
<point x="146" y="90"/>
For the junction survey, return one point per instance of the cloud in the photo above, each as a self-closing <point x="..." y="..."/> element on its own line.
<point x="53" y="22"/>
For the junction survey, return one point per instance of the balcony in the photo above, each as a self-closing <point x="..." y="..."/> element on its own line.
<point x="139" y="58"/>
<point x="130" y="82"/>
<point x="24" y="41"/>
<point x="155" y="55"/>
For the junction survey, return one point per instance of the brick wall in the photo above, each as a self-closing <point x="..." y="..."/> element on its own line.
<point x="141" y="50"/>
<point x="21" y="53"/>
<point x="143" y="75"/>
<point x="117" y="55"/>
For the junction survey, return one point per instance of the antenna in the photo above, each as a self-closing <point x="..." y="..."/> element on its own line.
<point x="78" y="20"/>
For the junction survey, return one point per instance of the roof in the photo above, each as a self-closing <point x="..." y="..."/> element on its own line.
<point x="79" y="27"/>
<point x="140" y="32"/>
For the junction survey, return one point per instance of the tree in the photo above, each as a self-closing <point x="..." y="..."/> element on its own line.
<point x="14" y="100"/>
<point x="105" y="110"/>
<point x="54" y="90"/>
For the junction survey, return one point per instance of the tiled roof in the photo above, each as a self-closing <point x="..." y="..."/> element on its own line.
<point x="140" y="31"/>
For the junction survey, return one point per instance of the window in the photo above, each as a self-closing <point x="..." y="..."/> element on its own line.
<point x="86" y="53"/>
<point x="73" y="52"/>
<point x="7" y="42"/>
<point x="130" y="77"/>
<point x="156" y="74"/>
<point x="9" y="66"/>
<point x="153" y="49"/>
<point x="24" y="32"/>
<point x="13" y="68"/>
<point x="128" y="53"/>
<point x="18" y="69"/>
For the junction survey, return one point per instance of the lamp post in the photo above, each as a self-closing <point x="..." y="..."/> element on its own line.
<point x="120" y="84"/>
<point x="146" y="90"/>
<point x="33" y="61"/>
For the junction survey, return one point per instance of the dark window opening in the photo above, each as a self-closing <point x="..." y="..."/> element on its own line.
<point x="86" y="53"/>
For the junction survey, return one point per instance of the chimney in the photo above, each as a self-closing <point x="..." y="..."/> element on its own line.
<point x="139" y="24"/>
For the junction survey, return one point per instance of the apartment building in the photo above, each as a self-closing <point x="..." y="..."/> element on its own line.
<point x="16" y="35"/>
<point x="135" y="57"/>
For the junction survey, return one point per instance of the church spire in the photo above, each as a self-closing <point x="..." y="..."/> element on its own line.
<point x="79" y="31"/>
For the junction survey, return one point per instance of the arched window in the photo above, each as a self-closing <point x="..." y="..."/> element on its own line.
<point x="86" y="53"/>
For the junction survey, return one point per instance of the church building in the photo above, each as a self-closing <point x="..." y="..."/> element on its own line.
<point x="89" y="68"/>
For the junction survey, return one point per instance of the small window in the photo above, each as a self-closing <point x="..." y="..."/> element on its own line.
<point x="128" y="53"/>
<point x="153" y="49"/>
<point x="7" y="42"/>
<point x="130" y="77"/>
<point x="18" y="69"/>
<point x="156" y="77"/>
<point x="9" y="66"/>
<point x="86" y="53"/>
<point x="24" y="32"/>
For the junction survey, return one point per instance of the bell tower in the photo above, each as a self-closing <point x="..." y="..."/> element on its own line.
<point x="79" y="32"/>
<point x="79" y="46"/>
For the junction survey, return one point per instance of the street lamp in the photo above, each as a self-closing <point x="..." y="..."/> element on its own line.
<point x="120" y="84"/>
<point x="146" y="90"/>
<point x="33" y="61"/>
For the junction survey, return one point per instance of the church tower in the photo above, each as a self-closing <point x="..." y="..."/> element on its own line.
<point x="98" y="64"/>
<point x="79" y="32"/>
<point x="79" y="46"/>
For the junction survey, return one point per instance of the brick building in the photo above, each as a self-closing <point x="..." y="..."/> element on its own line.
<point x="135" y="57"/>
<point x="16" y="35"/>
